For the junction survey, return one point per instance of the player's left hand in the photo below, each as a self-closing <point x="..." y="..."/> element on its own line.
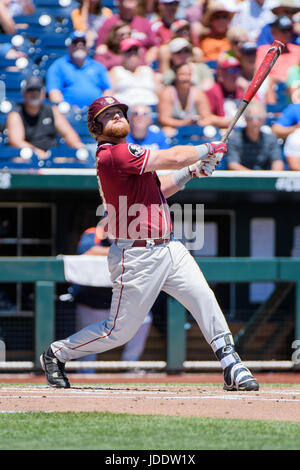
<point x="203" y="168"/>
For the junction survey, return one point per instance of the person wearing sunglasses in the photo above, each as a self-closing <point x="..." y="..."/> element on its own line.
<point x="251" y="148"/>
<point x="216" y="20"/>
<point x="75" y="77"/>
<point x="289" y="8"/>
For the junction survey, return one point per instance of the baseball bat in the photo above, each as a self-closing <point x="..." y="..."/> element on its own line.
<point x="264" y="69"/>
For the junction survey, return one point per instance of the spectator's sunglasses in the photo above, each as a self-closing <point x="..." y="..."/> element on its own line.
<point x="132" y="50"/>
<point x="140" y="113"/>
<point x="172" y="4"/>
<point x="259" y="118"/>
<point x="78" y="40"/>
<point x="185" y="50"/>
<point x="221" y="16"/>
<point x="232" y="70"/>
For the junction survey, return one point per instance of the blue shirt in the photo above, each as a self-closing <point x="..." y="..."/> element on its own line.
<point x="266" y="37"/>
<point x="154" y="140"/>
<point x="290" y="116"/>
<point x="79" y="86"/>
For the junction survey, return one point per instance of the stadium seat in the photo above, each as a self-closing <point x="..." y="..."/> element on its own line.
<point x="66" y="157"/>
<point x="195" y="135"/>
<point x="10" y="158"/>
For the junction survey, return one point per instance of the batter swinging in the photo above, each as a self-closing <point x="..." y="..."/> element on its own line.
<point x="145" y="259"/>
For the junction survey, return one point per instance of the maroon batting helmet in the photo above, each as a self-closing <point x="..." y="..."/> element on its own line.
<point x="97" y="107"/>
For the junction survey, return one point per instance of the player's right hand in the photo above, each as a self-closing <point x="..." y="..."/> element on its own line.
<point x="216" y="150"/>
<point x="202" y="168"/>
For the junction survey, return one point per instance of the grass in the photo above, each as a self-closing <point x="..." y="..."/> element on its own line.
<point x="108" y="431"/>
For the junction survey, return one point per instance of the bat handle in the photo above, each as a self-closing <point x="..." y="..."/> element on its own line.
<point x="239" y="112"/>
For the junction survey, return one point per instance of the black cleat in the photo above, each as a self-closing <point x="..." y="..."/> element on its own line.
<point x="238" y="378"/>
<point x="54" y="370"/>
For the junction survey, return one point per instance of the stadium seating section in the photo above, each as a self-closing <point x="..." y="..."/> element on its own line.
<point x="42" y="37"/>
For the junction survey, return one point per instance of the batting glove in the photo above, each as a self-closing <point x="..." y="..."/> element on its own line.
<point x="201" y="168"/>
<point x="216" y="150"/>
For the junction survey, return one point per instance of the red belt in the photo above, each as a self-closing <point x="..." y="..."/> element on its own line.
<point x="151" y="242"/>
<point x="155" y="241"/>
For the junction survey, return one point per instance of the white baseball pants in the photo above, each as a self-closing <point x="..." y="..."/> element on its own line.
<point x="138" y="275"/>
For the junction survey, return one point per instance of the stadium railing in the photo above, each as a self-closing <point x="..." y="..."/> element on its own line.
<point x="47" y="271"/>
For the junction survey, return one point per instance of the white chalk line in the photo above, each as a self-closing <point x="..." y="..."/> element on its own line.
<point x="182" y="397"/>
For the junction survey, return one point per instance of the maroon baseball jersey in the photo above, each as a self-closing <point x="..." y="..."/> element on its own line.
<point x="136" y="207"/>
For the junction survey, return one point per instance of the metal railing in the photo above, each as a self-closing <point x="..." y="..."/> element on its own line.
<point x="45" y="272"/>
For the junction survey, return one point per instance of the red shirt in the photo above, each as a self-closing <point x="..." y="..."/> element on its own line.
<point x="136" y="207"/>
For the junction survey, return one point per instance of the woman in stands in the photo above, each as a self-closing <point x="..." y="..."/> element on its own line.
<point x="133" y="82"/>
<point x="182" y="104"/>
<point x="88" y="17"/>
<point x="109" y="53"/>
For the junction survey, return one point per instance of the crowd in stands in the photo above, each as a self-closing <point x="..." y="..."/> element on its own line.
<point x="179" y="65"/>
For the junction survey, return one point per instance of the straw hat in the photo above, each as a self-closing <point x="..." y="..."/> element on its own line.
<point x="212" y="8"/>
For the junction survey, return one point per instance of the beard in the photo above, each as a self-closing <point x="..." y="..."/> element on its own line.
<point x="117" y="131"/>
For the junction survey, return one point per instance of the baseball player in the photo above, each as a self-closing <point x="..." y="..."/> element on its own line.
<point x="144" y="258"/>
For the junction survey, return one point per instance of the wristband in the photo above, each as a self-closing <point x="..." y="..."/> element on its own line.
<point x="203" y="151"/>
<point x="182" y="176"/>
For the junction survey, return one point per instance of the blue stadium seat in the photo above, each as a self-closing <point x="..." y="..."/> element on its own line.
<point x="10" y="158"/>
<point x="195" y="135"/>
<point x="63" y="156"/>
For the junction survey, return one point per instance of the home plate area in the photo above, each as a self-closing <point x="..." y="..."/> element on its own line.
<point x="280" y="403"/>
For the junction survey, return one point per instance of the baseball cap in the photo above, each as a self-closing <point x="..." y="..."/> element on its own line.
<point x="128" y="43"/>
<point x="228" y="63"/>
<point x="178" y="25"/>
<point x="32" y="83"/>
<point x="98" y="106"/>
<point x="283" y="23"/>
<point x="248" y="48"/>
<point x="178" y="44"/>
<point x="76" y="35"/>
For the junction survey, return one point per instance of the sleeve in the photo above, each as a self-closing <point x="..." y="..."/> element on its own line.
<point x="130" y="158"/>
<point x="288" y="117"/>
<point x="234" y="149"/>
<point x="265" y="36"/>
<point x="163" y="141"/>
<point x="54" y="77"/>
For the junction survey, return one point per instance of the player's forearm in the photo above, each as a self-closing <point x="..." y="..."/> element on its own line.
<point x="168" y="185"/>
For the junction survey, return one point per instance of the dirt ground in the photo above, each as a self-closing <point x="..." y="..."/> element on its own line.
<point x="155" y="394"/>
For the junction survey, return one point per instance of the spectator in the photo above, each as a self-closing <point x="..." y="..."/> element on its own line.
<point x="180" y="29"/>
<point x="253" y="15"/>
<point x="7" y="24"/>
<point x="140" y="27"/>
<point x="247" y="58"/>
<point x="36" y="125"/>
<point x="142" y="132"/>
<point x="88" y="17"/>
<point x="288" y="122"/>
<point x="75" y="77"/>
<point x="236" y="37"/>
<point x="293" y="83"/>
<point x="292" y="150"/>
<point x="93" y="303"/>
<point x="225" y="95"/>
<point x="181" y="53"/>
<point x="217" y="18"/>
<point x="251" y="148"/>
<point x="282" y="30"/>
<point x="19" y="7"/>
<point x="109" y="53"/>
<point x="183" y="104"/>
<point x="287" y="8"/>
<point x="133" y="82"/>
<point x="162" y="26"/>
